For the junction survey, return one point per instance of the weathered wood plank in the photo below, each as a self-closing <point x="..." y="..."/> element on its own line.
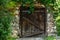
<point x="37" y="19"/>
<point x="33" y="23"/>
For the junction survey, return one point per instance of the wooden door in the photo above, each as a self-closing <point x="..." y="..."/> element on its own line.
<point x="32" y="24"/>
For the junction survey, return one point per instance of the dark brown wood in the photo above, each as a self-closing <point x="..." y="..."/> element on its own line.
<point x="32" y="23"/>
<point x="36" y="21"/>
<point x="33" y="34"/>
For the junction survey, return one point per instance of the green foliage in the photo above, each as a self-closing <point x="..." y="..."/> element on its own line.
<point x="50" y="38"/>
<point x="6" y="18"/>
<point x="3" y="2"/>
<point x="11" y="4"/>
<point x="58" y="25"/>
<point x="28" y="2"/>
<point x="57" y="15"/>
<point x="5" y="24"/>
<point x="47" y="2"/>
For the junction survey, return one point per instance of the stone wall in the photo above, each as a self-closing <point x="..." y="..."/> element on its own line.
<point x="51" y="29"/>
<point x="15" y="23"/>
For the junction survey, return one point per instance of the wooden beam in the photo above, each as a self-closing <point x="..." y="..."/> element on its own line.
<point x="33" y="23"/>
<point x="34" y="34"/>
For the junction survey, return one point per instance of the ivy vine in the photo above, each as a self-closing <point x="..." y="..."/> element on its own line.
<point x="30" y="3"/>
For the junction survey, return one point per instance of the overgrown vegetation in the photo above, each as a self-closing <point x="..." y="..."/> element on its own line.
<point x="7" y="7"/>
<point x="6" y="18"/>
<point x="50" y="38"/>
<point x="57" y="16"/>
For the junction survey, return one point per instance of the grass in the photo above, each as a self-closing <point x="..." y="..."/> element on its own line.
<point x="50" y="38"/>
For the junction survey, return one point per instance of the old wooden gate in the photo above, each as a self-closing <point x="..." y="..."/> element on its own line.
<point x="34" y="24"/>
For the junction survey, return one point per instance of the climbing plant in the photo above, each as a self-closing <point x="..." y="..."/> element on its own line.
<point x="47" y="3"/>
<point x="6" y="18"/>
<point x="27" y="2"/>
<point x="57" y="16"/>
